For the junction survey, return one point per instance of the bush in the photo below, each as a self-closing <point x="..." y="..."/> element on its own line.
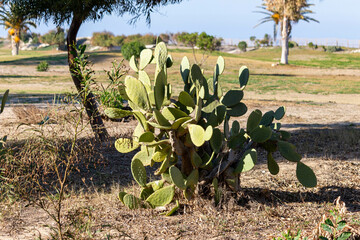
<point x="293" y="44"/>
<point x="333" y="49"/>
<point x="198" y="152"/>
<point x="242" y="45"/>
<point x="102" y="39"/>
<point x="54" y="37"/>
<point x="132" y="49"/>
<point x="43" y="66"/>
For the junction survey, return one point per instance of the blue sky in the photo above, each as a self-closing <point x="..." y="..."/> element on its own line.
<point x="233" y="19"/>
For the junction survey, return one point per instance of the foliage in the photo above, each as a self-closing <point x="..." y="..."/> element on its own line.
<point x="312" y="45"/>
<point x="293" y="44"/>
<point x="333" y="49"/>
<point x="184" y="136"/>
<point x="102" y="39"/>
<point x="132" y="49"/>
<point x="109" y="95"/>
<point x="290" y="236"/>
<point x="43" y="66"/>
<point x="54" y="37"/>
<point x="242" y="46"/>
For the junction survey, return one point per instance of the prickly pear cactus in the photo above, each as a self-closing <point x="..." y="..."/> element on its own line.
<point x="191" y="138"/>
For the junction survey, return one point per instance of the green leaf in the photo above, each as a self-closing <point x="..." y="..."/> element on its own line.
<point x="232" y="97"/>
<point x="243" y="76"/>
<point x="186" y="99"/>
<point x="147" y="137"/>
<point x="235" y="128"/>
<point x="145" y="58"/>
<point x="141" y="119"/>
<point x="185" y="69"/>
<point x="221" y="64"/>
<point x="329" y="222"/>
<point x="197" y="134"/>
<point x="145" y="155"/>
<point x="272" y="164"/>
<point x="253" y="120"/>
<point x="217" y="140"/>
<point x="161" y="55"/>
<point x="267" y="118"/>
<point x="179" y="122"/>
<point x="285" y="135"/>
<point x="161" y="119"/>
<point x="138" y="171"/>
<point x="161" y="197"/>
<point x="193" y="178"/>
<point x="177" y="177"/>
<point x="144" y="78"/>
<point x="261" y="134"/>
<point x="169" y="61"/>
<point x="247" y="161"/>
<point x="287" y="150"/>
<point x="326" y="228"/>
<point x="305" y="175"/>
<point x="279" y="113"/>
<point x="160" y="155"/>
<point x="174" y="209"/>
<point x="344" y="236"/>
<point x="3" y="101"/>
<point x="196" y="160"/>
<point x="208" y="133"/>
<point x="341" y="225"/>
<point x="172" y="114"/>
<point x="137" y="93"/>
<point x="146" y="192"/>
<point x="121" y="196"/>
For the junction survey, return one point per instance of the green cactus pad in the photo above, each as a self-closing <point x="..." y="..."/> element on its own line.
<point x="208" y="133"/>
<point x="185" y="69"/>
<point x="261" y="134"/>
<point x="159" y="89"/>
<point x="197" y="134"/>
<point x="272" y="164"/>
<point x="145" y="58"/>
<point x="221" y="64"/>
<point x="217" y="140"/>
<point x="146" y="192"/>
<point x="161" y="120"/>
<point x="288" y="151"/>
<point x="146" y="137"/>
<point x="144" y="78"/>
<point x="161" y="197"/>
<point x="177" y="178"/>
<point x="164" y="166"/>
<point x="196" y="159"/>
<point x="166" y="177"/>
<point x="232" y="97"/>
<point x="121" y="196"/>
<point x="172" y="114"/>
<point x="137" y="93"/>
<point x="160" y="155"/>
<point x="186" y="99"/>
<point x="243" y="77"/>
<point x="169" y="61"/>
<point x="138" y="171"/>
<point x="132" y="64"/>
<point x="211" y="106"/>
<point x="131" y="201"/>
<point x="237" y="110"/>
<point x="161" y="55"/>
<point x="123" y="92"/>
<point x="235" y="128"/>
<point x="145" y="155"/>
<point x="279" y="113"/>
<point x="237" y="140"/>
<point x="156" y="185"/>
<point x="285" y="135"/>
<point x="247" y="161"/>
<point x="193" y="178"/>
<point x="116" y="113"/>
<point x="305" y="175"/>
<point x="141" y="119"/>
<point x="125" y="145"/>
<point x="179" y="122"/>
<point x="253" y="120"/>
<point x="267" y="118"/>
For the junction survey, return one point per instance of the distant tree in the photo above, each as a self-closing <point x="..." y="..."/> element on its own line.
<point x="102" y="39"/>
<point x="286" y="12"/>
<point x="17" y="20"/>
<point x="132" y="49"/>
<point x="266" y="40"/>
<point x="133" y="38"/>
<point x="118" y="40"/>
<point x="148" y="39"/>
<point x="165" y="37"/>
<point x="252" y="39"/>
<point x="54" y="37"/>
<point x="77" y="12"/>
<point x="242" y="46"/>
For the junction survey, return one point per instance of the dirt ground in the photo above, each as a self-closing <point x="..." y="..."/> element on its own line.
<point x="326" y="132"/>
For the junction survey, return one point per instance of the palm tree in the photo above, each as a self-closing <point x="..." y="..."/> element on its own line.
<point x="284" y="13"/>
<point x="16" y="21"/>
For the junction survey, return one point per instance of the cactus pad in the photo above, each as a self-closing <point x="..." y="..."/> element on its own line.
<point x="272" y="164"/>
<point x="161" y="197"/>
<point x="159" y="89"/>
<point x="177" y="177"/>
<point x="305" y="175"/>
<point x="116" y="113"/>
<point x="197" y="134"/>
<point x="137" y="93"/>
<point x="145" y="58"/>
<point x="232" y="97"/>
<point x="279" y="113"/>
<point x="247" y="162"/>
<point x="217" y="140"/>
<point x="138" y="171"/>
<point x="261" y="134"/>
<point x="243" y="77"/>
<point x="132" y="64"/>
<point x="253" y="120"/>
<point x="131" y="201"/>
<point x="186" y="99"/>
<point x="125" y="145"/>
<point x="287" y="150"/>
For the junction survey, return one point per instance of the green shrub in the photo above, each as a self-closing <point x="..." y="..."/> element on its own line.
<point x="293" y="44"/>
<point x="242" y="45"/>
<point x="333" y="49"/>
<point x="102" y="39"/>
<point x="191" y="138"/>
<point x="132" y="49"/>
<point x="43" y="66"/>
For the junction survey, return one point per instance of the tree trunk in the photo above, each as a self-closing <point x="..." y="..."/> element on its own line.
<point x="14" y="46"/>
<point x="89" y="100"/>
<point x="285" y="41"/>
